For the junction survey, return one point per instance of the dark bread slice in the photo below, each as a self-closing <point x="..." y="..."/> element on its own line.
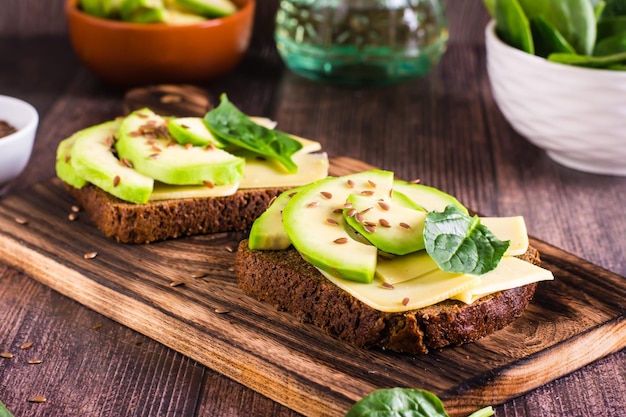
<point x="168" y="219"/>
<point x="285" y="280"/>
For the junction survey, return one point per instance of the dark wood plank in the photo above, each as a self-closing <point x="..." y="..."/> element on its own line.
<point x="579" y="316"/>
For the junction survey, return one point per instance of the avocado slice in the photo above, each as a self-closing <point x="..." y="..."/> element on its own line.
<point x="192" y="130"/>
<point x="267" y="232"/>
<point x="316" y="227"/>
<point x="93" y="159"/>
<point x="210" y="8"/>
<point x="143" y="139"/>
<point x="429" y="198"/>
<point x="387" y="224"/>
<point x="143" y="11"/>
<point x="63" y="165"/>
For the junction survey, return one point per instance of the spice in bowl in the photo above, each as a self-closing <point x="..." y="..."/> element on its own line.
<point x="6" y="129"/>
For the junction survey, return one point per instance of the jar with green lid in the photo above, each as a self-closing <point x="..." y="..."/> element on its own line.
<point x="361" y="42"/>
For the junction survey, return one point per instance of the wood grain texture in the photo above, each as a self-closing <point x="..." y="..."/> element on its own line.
<point x="578" y="316"/>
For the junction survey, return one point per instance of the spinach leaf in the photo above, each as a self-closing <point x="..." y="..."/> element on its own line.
<point x="513" y="26"/>
<point x="230" y="125"/>
<point x="574" y="19"/>
<point x="611" y="45"/>
<point x="548" y="39"/>
<point x="611" y="26"/>
<point x="4" y="412"/>
<point x="398" y="402"/>
<point x="614" y="8"/>
<point x="404" y="402"/>
<point x="459" y="243"/>
<point x="613" y="61"/>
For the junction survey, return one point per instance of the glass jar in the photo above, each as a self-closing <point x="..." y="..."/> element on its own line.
<point x="361" y="42"/>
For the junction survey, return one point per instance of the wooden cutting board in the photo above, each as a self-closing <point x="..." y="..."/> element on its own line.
<point x="572" y="321"/>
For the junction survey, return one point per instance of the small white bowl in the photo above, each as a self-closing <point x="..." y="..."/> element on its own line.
<point x="15" y="149"/>
<point x="577" y="115"/>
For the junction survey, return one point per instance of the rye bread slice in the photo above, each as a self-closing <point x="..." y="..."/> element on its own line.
<point x="285" y="280"/>
<point x="169" y="219"/>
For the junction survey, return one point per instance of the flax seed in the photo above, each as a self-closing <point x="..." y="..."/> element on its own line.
<point x="326" y="195"/>
<point x="372" y="183"/>
<point x="90" y="255"/>
<point x="350" y="183"/>
<point x="405" y="226"/>
<point x="338" y="211"/>
<point x="35" y="361"/>
<point x="198" y="274"/>
<point x="383" y="205"/>
<point x="384" y="223"/>
<point x="405" y="301"/>
<point x="188" y="146"/>
<point x="21" y="220"/>
<point x="367" y="192"/>
<point x="347" y="205"/>
<point x="387" y="286"/>
<point x="6" y="355"/>
<point x="176" y="283"/>
<point x="72" y="216"/>
<point x="154" y="156"/>
<point x="37" y="399"/>
<point x="75" y="209"/>
<point x="26" y="345"/>
<point x="341" y="240"/>
<point x="220" y="310"/>
<point x="313" y="204"/>
<point x="209" y="184"/>
<point x="116" y="181"/>
<point x="126" y="162"/>
<point x="370" y="228"/>
<point x="351" y="212"/>
<point x="415" y="181"/>
<point x="358" y="217"/>
<point x="332" y="221"/>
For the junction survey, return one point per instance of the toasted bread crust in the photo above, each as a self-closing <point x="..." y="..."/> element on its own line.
<point x="160" y="220"/>
<point x="285" y="280"/>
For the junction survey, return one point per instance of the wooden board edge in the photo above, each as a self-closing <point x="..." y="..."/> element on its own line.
<point x="540" y="368"/>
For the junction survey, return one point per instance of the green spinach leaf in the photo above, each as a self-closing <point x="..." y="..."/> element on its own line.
<point x="613" y="8"/>
<point x="574" y="19"/>
<point x="398" y="402"/>
<point x="512" y="25"/>
<point x="459" y="243"/>
<point x="4" y="412"/>
<point x="232" y="126"/>
<point x="548" y="39"/>
<point x="404" y="402"/>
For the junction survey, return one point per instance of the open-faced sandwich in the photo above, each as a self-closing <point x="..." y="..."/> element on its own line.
<point x="144" y="177"/>
<point x="385" y="263"/>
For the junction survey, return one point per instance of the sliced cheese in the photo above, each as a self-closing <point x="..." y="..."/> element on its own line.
<point x="163" y="191"/>
<point x="510" y="273"/>
<point x="403" y="268"/>
<point x="509" y="228"/>
<point x="429" y="289"/>
<point x="260" y="173"/>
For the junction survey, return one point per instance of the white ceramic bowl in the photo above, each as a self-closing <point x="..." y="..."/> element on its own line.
<point x="577" y="115"/>
<point x="15" y="149"/>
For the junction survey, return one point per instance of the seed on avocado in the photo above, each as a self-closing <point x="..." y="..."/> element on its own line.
<point x="350" y="183"/>
<point x="384" y="223"/>
<point x="367" y="192"/>
<point x="332" y="221"/>
<point x="209" y="184"/>
<point x="372" y="183"/>
<point x="405" y="226"/>
<point x="341" y="240"/>
<point x="383" y="205"/>
<point x="326" y="195"/>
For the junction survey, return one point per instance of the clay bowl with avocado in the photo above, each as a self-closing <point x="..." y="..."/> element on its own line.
<point x="131" y="43"/>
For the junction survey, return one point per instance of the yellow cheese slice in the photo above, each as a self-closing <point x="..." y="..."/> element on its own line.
<point x="429" y="289"/>
<point x="163" y="191"/>
<point x="261" y="173"/>
<point x="510" y="273"/>
<point x="509" y="228"/>
<point x="403" y="268"/>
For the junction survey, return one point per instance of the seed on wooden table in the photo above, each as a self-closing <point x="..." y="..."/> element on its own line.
<point x="405" y="226"/>
<point x="229" y="249"/>
<point x="176" y="283"/>
<point x="326" y="195"/>
<point x="21" y="220"/>
<point x="90" y="255"/>
<point x="35" y="361"/>
<point x="26" y="345"/>
<point x="96" y="326"/>
<point x="37" y="399"/>
<point x="75" y="209"/>
<point x="6" y="355"/>
<point x="170" y="98"/>
<point x="332" y="221"/>
<point x="222" y="310"/>
<point x="72" y="216"/>
<point x="405" y="301"/>
<point x="198" y="274"/>
<point x="383" y="205"/>
<point x="384" y="223"/>
<point x="415" y="181"/>
<point x="341" y="240"/>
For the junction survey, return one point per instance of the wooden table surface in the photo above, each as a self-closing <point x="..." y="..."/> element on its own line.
<point x="445" y="129"/>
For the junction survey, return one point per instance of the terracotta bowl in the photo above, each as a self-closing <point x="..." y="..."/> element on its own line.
<point x="133" y="54"/>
